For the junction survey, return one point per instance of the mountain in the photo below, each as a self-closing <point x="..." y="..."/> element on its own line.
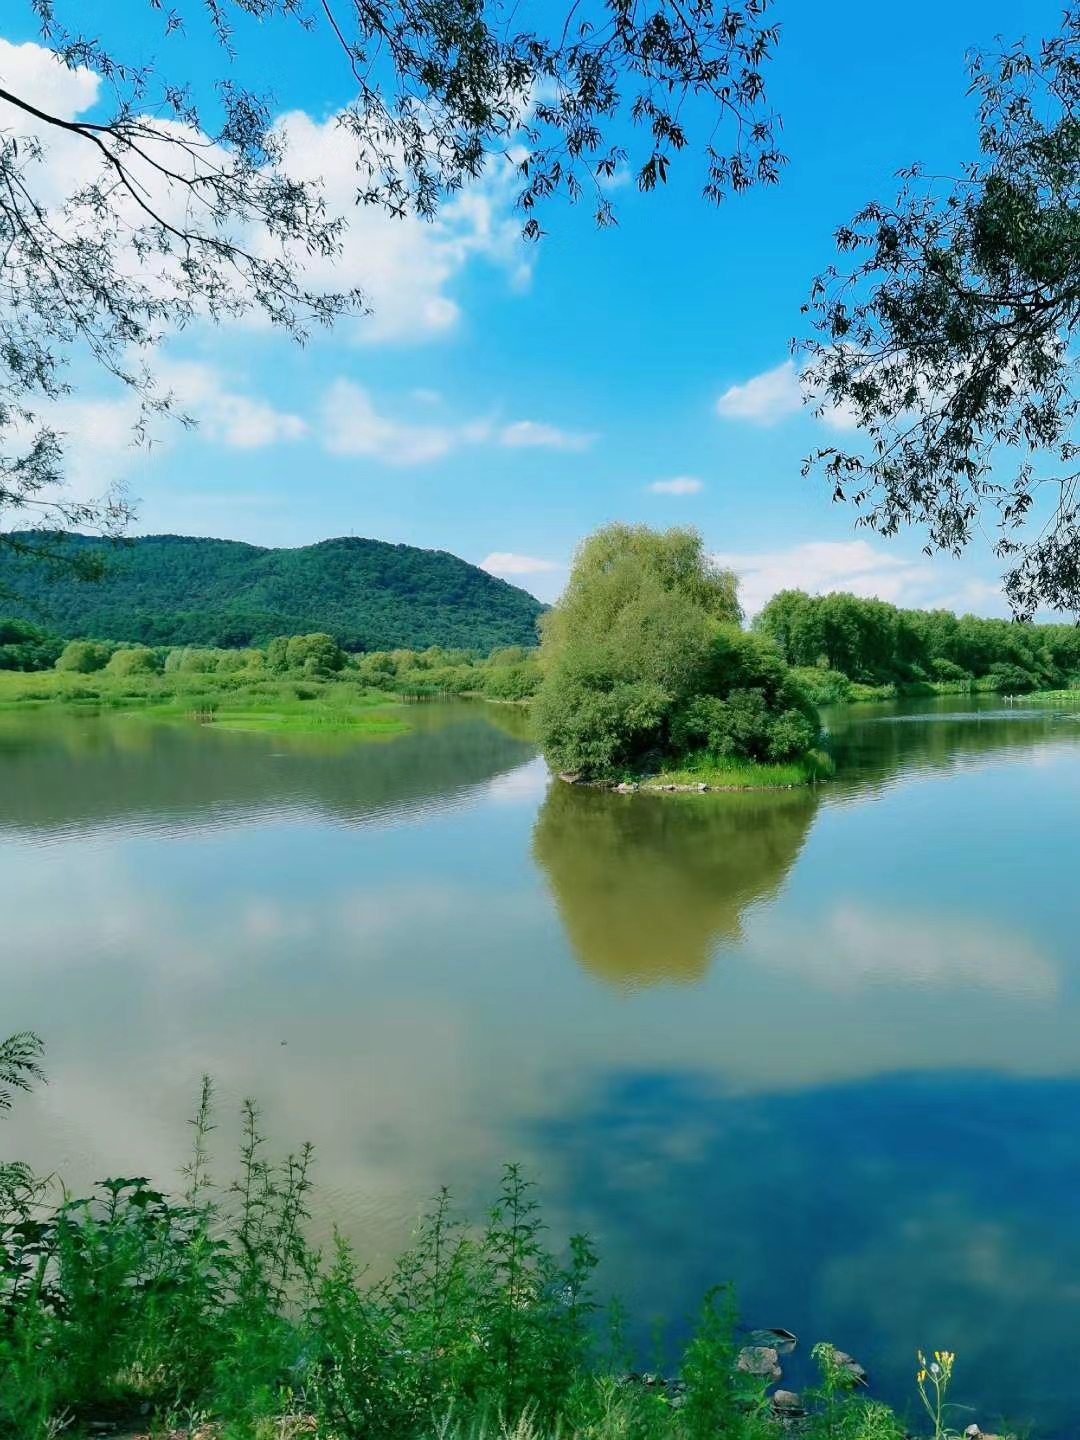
<point x="178" y="590"/>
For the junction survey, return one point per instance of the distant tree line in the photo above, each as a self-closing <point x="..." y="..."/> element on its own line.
<point x="508" y="673"/>
<point x="871" y="642"/>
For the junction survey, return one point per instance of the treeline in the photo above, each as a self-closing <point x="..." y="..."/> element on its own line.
<point x="837" y="641"/>
<point x="509" y="673"/>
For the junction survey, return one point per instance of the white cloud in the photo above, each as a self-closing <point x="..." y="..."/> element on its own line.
<point x="505" y="562"/>
<point x="406" y="267"/>
<point x="680" y="485"/>
<point x="776" y="394"/>
<point x="351" y="425"/>
<point x="543" y="578"/>
<point x="854" y="948"/>
<point x="33" y="70"/>
<point x="859" y="568"/>
<point x="765" y="399"/>
<point x="101" y="435"/>
<point x="532" y="434"/>
<point x="242" y="422"/>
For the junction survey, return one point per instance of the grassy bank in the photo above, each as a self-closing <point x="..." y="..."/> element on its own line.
<point x="230" y="702"/>
<point x="144" y="1312"/>
<point x="744" y="775"/>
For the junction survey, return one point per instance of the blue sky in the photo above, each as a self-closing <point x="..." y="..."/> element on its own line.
<point x="504" y="399"/>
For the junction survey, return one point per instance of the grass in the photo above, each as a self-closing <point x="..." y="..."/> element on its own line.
<point x="1040" y="697"/>
<point x="747" y="775"/>
<point x="210" y="1313"/>
<point x="229" y="702"/>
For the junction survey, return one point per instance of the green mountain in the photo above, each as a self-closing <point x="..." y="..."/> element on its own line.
<point x="177" y="590"/>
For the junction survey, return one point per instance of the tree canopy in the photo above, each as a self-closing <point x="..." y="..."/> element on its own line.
<point x="951" y="339"/>
<point x="185" y="207"/>
<point x="871" y="641"/>
<point x="643" y="660"/>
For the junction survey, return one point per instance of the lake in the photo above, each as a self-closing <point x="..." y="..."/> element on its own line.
<point x="825" y="1045"/>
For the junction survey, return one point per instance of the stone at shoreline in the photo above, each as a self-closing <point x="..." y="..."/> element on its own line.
<point x="626" y="789"/>
<point x="854" y="1369"/>
<point x="788" y="1402"/>
<point x="761" y="1361"/>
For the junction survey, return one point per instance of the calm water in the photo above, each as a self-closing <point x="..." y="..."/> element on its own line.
<point x="827" y="1046"/>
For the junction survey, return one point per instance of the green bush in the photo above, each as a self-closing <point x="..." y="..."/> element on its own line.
<point x="948" y="671"/>
<point x="137" y="660"/>
<point x="511" y="681"/>
<point x="313" y="654"/>
<point x="85" y="657"/>
<point x="27" y="647"/>
<point x="822" y="686"/>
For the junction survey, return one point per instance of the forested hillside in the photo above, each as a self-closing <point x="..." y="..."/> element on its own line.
<point x="176" y="590"/>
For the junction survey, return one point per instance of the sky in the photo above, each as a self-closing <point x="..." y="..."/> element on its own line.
<point x="504" y="398"/>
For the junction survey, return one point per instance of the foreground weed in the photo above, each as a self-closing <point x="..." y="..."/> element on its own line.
<point x="933" y="1380"/>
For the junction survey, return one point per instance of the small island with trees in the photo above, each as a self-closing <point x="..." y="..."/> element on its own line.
<point x="648" y="674"/>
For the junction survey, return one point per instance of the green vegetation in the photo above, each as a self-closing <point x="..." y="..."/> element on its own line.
<point x="174" y="590"/>
<point x="27" y="647"/>
<point x="721" y="774"/>
<point x="645" y="666"/>
<point x="847" y="648"/>
<point x="948" y="331"/>
<point x="298" y="683"/>
<point x="211" y="1310"/>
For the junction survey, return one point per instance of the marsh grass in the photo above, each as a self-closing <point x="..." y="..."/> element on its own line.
<point x="231" y="702"/>
<point x="815" y="766"/>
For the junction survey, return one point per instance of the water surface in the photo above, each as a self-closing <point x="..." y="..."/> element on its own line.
<point x="823" y="1044"/>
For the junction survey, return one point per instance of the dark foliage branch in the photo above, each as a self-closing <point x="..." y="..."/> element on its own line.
<point x="952" y="336"/>
<point x="19" y="1068"/>
<point x="190" y="211"/>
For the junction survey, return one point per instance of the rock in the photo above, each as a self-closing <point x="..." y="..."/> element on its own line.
<point x="788" y="1402"/>
<point x="760" y="1360"/>
<point x="626" y="789"/>
<point x="702" y="789"/>
<point x="854" y="1369"/>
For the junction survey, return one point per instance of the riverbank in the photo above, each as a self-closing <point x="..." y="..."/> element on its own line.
<point x="830" y="687"/>
<point x="702" y="774"/>
<point x="228" y="702"/>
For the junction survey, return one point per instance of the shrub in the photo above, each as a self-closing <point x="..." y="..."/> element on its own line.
<point x="948" y="671"/>
<point x="85" y="657"/>
<point x="27" y="647"/>
<point x="1011" y="679"/>
<point x="511" y="682"/>
<point x="138" y="660"/>
<point x="822" y="686"/>
<point x="313" y="654"/>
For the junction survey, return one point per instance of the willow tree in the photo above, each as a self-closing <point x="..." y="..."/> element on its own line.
<point x="179" y="204"/>
<point x="643" y="660"/>
<point x="952" y="338"/>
